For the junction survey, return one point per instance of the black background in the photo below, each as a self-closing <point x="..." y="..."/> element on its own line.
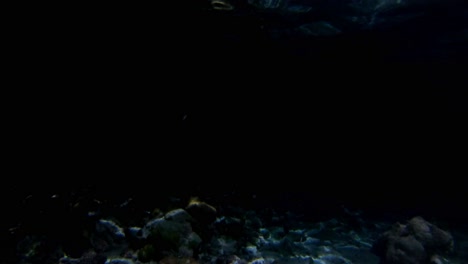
<point x="182" y="100"/>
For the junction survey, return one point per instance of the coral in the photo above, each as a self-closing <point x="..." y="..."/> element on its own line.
<point x="147" y="253"/>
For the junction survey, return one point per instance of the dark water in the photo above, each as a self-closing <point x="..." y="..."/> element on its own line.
<point x="181" y="101"/>
<point x="217" y="98"/>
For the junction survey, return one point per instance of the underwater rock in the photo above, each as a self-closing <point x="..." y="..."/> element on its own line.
<point x="331" y="259"/>
<point x="201" y="211"/>
<point x="405" y="250"/>
<point x="147" y="253"/>
<point x="416" y="242"/>
<point x="177" y="260"/>
<point x="221" y="5"/>
<point x="224" y="246"/>
<point x="262" y="261"/>
<point x="233" y="259"/>
<point x="178" y="215"/>
<point x="36" y="249"/>
<point x="298" y="9"/>
<point x="430" y="236"/>
<point x="356" y="254"/>
<point x="278" y="232"/>
<point x="436" y="259"/>
<point x="388" y="13"/>
<point x="301" y="6"/>
<point x="135" y="232"/>
<point x="311" y="242"/>
<point x="230" y="226"/>
<point x="108" y="236"/>
<point x="173" y="232"/>
<point x="110" y="228"/>
<point x="376" y="5"/>
<point x="296" y="260"/>
<point x="296" y="235"/>
<point x="253" y="221"/>
<point x="169" y="231"/>
<point x="286" y="245"/>
<point x="168" y="228"/>
<point x="67" y="260"/>
<point x="320" y="28"/>
<point x="90" y="257"/>
<point x="119" y="261"/>
<point x="252" y="251"/>
<point x="334" y="17"/>
<point x="267" y="4"/>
